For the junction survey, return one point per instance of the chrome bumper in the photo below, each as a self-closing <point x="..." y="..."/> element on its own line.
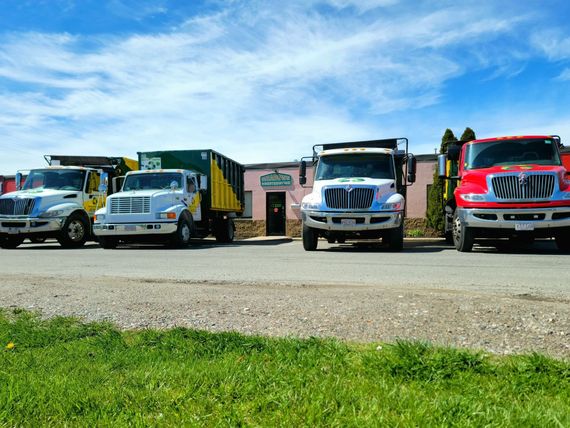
<point x="134" y="229"/>
<point x="26" y="226"/>
<point x="515" y="219"/>
<point x="342" y="222"/>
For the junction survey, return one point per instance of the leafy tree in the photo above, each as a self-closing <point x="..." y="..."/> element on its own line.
<point x="435" y="217"/>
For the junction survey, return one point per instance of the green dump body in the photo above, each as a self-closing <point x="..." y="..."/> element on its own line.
<point x="225" y="192"/>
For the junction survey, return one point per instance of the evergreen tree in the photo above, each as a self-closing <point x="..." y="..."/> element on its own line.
<point x="434" y="215"/>
<point x="468" y="135"/>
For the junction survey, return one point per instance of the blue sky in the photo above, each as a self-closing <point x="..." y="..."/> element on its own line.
<point x="263" y="81"/>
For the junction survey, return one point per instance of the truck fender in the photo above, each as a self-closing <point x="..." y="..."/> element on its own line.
<point x="67" y="207"/>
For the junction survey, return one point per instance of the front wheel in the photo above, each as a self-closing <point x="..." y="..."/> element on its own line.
<point x="183" y="233"/>
<point x="310" y="238"/>
<point x="463" y="236"/>
<point x="74" y="232"/>
<point x="396" y="238"/>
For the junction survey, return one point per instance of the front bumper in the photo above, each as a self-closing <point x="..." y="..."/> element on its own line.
<point x="352" y="221"/>
<point x="30" y="225"/>
<point x="134" y="229"/>
<point x="515" y="219"/>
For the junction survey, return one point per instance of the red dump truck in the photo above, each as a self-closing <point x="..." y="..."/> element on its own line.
<point x="506" y="187"/>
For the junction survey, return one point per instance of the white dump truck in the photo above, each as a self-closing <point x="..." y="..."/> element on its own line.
<point x="57" y="201"/>
<point x="177" y="195"/>
<point x="359" y="191"/>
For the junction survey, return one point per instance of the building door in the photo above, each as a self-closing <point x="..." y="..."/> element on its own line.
<point x="275" y="217"/>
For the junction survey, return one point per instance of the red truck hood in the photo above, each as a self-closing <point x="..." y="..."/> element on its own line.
<point x="478" y="177"/>
<point x="475" y="181"/>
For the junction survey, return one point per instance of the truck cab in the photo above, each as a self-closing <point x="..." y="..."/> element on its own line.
<point x="152" y="206"/>
<point x="358" y="192"/>
<point x="53" y="202"/>
<point x="506" y="187"/>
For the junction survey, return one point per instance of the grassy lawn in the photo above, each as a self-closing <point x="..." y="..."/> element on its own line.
<point x="65" y="372"/>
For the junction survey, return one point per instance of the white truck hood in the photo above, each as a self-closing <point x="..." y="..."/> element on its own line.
<point x="45" y="198"/>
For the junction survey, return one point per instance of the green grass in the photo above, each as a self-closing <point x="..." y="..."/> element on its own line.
<point x="65" y="372"/>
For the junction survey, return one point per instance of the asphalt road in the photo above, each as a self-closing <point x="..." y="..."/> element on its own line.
<point x="499" y="301"/>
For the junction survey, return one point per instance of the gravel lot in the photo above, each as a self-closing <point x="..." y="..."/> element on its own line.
<point x="362" y="295"/>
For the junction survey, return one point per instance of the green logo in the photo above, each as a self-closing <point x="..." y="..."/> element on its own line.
<point x="350" y="180"/>
<point x="510" y="167"/>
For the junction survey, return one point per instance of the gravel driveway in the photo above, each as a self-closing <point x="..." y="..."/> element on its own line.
<point x="119" y="286"/>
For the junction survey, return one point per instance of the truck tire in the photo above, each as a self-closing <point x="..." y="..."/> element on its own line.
<point x="11" y="242"/>
<point x="74" y="232"/>
<point x="463" y="237"/>
<point x="396" y="238"/>
<point x="310" y="238"/>
<point x="108" y="243"/>
<point x="183" y="234"/>
<point x="562" y="239"/>
<point x="225" y="231"/>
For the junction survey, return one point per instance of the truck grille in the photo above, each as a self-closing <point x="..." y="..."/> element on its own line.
<point x="524" y="186"/>
<point x="130" y="205"/>
<point x="355" y="198"/>
<point x="23" y="206"/>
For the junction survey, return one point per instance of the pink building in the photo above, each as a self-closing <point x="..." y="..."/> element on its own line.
<point x="273" y="188"/>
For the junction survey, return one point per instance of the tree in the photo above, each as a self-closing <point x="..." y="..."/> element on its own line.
<point x="434" y="215"/>
<point x="468" y="135"/>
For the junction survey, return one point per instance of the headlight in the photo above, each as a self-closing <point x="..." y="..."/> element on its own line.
<point x="474" y="197"/>
<point x="168" y="215"/>
<point x="52" y="213"/>
<point x="98" y="218"/>
<point x="310" y="206"/>
<point x="395" y="206"/>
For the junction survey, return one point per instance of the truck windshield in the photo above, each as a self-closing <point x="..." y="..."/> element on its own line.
<point x="152" y="181"/>
<point x="511" y="152"/>
<point x="355" y="165"/>
<point x="56" y="179"/>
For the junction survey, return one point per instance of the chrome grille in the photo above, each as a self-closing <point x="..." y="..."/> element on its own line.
<point x="18" y="206"/>
<point x="130" y="205"/>
<point x="355" y="198"/>
<point x="534" y="186"/>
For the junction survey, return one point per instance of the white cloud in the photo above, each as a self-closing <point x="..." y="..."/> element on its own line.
<point x="260" y="81"/>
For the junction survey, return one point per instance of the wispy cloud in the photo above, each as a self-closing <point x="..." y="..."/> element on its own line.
<point x="260" y="81"/>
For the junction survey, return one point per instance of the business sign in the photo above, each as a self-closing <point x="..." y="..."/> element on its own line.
<point x="276" y="179"/>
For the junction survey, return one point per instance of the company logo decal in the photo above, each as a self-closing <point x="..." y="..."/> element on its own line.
<point x="350" y="180"/>
<point x="510" y="167"/>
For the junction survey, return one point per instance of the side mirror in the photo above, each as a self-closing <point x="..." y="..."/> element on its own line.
<point x="203" y="182"/>
<point x="103" y="182"/>
<point x="411" y="167"/>
<point x="303" y="173"/>
<point x="118" y="183"/>
<point x="441" y="167"/>
<point x="18" y="181"/>
<point x="453" y="152"/>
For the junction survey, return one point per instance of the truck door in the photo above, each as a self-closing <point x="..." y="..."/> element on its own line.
<point x="92" y="199"/>
<point x="275" y="203"/>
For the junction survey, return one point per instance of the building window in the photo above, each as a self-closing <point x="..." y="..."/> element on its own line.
<point x="248" y="205"/>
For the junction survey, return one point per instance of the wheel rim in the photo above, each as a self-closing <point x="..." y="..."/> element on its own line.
<point x="185" y="233"/>
<point x="76" y="230"/>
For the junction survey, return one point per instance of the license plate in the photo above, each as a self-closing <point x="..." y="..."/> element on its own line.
<point x="130" y="228"/>
<point x="348" y="221"/>
<point x="12" y="231"/>
<point x="524" y="227"/>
